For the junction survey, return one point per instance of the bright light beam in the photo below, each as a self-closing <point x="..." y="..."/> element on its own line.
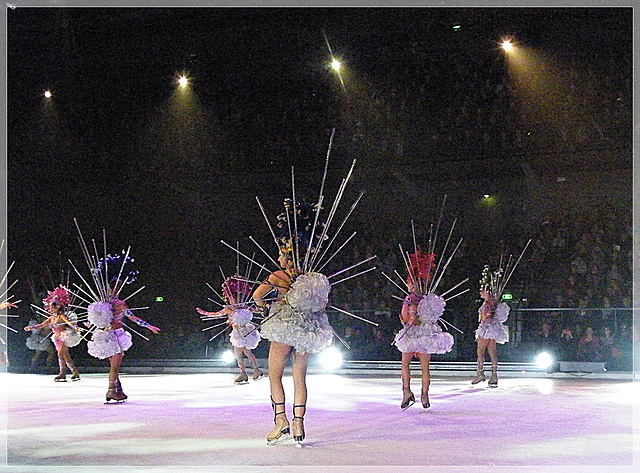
<point x="335" y="64"/>
<point x="506" y="45"/>
<point x="183" y="81"/>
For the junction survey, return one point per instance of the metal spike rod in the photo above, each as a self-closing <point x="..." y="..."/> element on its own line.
<point x="341" y="226"/>
<point x="354" y="275"/>
<point x="353" y="266"/>
<point x="402" y="289"/>
<point x="242" y="254"/>
<point x="443" y="253"/>
<point x="135" y="331"/>
<point x="295" y="221"/>
<point x="133" y="294"/>
<point x="452" y="288"/>
<point x="336" y="252"/>
<point x="265" y="253"/>
<point x="305" y="265"/>
<point x="214" y="326"/>
<point x="346" y="345"/>
<point x="264" y="214"/>
<point x="407" y="264"/>
<point x="444" y="269"/>
<point x="353" y="315"/>
<point x="456" y="295"/>
<point x="217" y="334"/>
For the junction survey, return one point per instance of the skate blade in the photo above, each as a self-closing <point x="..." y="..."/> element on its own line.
<point x="277" y="441"/>
<point x="238" y="383"/>
<point x="408" y="406"/>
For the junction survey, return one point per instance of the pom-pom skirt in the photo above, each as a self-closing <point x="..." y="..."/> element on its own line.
<point x="38" y="342"/>
<point x="245" y="336"/>
<point x="493" y="330"/>
<point x="69" y="337"/>
<point x="306" y="332"/>
<point x="425" y="338"/>
<point x="106" y="343"/>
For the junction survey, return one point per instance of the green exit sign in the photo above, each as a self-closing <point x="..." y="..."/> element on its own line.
<point x="159" y="299"/>
<point x="507" y="297"/>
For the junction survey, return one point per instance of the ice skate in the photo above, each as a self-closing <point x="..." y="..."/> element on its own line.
<point x="115" y="393"/>
<point x="493" y="381"/>
<point x="257" y="375"/>
<point x="298" y="424"/>
<point x="424" y="399"/>
<point x="480" y="377"/>
<point x="281" y="430"/>
<point x="408" y="399"/>
<point x="241" y="379"/>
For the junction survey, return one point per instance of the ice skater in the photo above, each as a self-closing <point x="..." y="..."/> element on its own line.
<point x="66" y="334"/>
<point x="492" y="315"/>
<point x="244" y="337"/>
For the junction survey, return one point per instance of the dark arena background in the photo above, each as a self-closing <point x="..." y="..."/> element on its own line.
<point x="534" y="142"/>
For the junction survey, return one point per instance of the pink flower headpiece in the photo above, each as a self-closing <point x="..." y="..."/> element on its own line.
<point x="59" y="297"/>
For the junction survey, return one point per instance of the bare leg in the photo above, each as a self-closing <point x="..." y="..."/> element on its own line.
<point x="299" y="371"/>
<point x="252" y="359"/>
<point x="242" y="378"/>
<point x="62" y="362"/>
<point x="278" y="353"/>
<point x="407" y="396"/>
<point x="425" y="359"/>
<point x="493" y="354"/>
<point x="115" y="392"/>
<point x="482" y="346"/>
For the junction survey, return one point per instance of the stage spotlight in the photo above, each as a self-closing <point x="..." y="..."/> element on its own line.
<point x="228" y="356"/>
<point x="335" y="64"/>
<point x="507" y="45"/>
<point x="183" y="81"/>
<point x="331" y="359"/>
<point x="544" y="360"/>
<point x="47" y="94"/>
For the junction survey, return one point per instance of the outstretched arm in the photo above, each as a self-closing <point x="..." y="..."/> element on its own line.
<point x="47" y="322"/>
<point x="140" y="322"/>
<point x="221" y="313"/>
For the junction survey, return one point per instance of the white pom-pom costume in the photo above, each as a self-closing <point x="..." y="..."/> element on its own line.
<point x="37" y="342"/>
<point x="69" y="337"/>
<point x="425" y="335"/>
<point x="244" y="333"/>
<point x="492" y="328"/>
<point x="105" y="341"/>
<point x="100" y="314"/>
<point x="300" y="319"/>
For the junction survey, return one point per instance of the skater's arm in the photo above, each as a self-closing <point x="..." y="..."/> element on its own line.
<point x="221" y="313"/>
<point x="46" y="323"/>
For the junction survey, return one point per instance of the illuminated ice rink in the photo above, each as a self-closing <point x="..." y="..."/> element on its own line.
<point x="204" y="422"/>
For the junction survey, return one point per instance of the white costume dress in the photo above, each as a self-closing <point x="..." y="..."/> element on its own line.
<point x="492" y="328"/>
<point x="299" y="319"/>
<point x="426" y="336"/>
<point x="106" y="341"/>
<point x="244" y="333"/>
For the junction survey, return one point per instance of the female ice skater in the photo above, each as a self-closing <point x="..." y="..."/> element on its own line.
<point x="244" y="337"/>
<point x="66" y="333"/>
<point x="492" y="315"/>
<point x="107" y="318"/>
